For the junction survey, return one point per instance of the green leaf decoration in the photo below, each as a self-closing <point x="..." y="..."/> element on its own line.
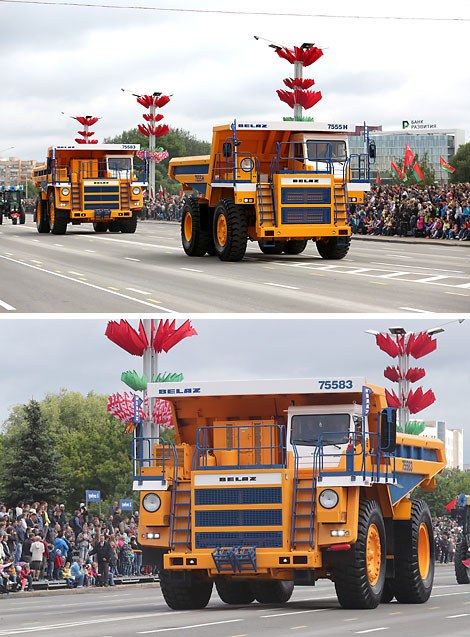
<point x="134" y="381"/>
<point x="168" y="378"/>
<point x="414" y="427"/>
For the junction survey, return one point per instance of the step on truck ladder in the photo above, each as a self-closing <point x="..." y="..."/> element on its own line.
<point x="75" y="196"/>
<point x="303" y="508"/>
<point x="340" y="193"/>
<point x="265" y="192"/>
<point x="180" y="532"/>
<point x="125" y="195"/>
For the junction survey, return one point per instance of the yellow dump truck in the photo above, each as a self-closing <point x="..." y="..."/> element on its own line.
<point x="275" y="483"/>
<point x="277" y="183"/>
<point x="88" y="184"/>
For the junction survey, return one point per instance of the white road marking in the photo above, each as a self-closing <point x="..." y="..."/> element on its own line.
<point x="139" y="243"/>
<point x="447" y="594"/>
<point x="421" y="267"/>
<point x="163" y="630"/>
<point x="191" y="270"/>
<point x="131" y="259"/>
<point x="61" y="245"/>
<point x="90" y="285"/>
<point x="390" y="276"/>
<point x="461" y="615"/>
<point x="279" y="285"/>
<point x="414" y="309"/>
<point x="76" y="273"/>
<point x="401" y="256"/>
<point x="295" y="612"/>
<point x="34" y="261"/>
<point x="138" y="291"/>
<point x="6" y="306"/>
<point x="432" y="278"/>
<point x="463" y="285"/>
<point x="371" y="630"/>
<point x="90" y="250"/>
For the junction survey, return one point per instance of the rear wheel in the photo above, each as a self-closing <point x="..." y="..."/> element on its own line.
<point x="272" y="592"/>
<point x="295" y="246"/>
<point x="100" y="226"/>
<point x="333" y="247"/>
<point x="360" y="581"/>
<point x="194" y="237"/>
<point x="185" y="594"/>
<point x="114" y="226"/>
<point x="234" y="592"/>
<point x="462" y="572"/>
<point x="273" y="247"/>
<point x="230" y="231"/>
<point x="414" y="556"/>
<point x="42" y="220"/>
<point x="129" y="225"/>
<point x="57" y="219"/>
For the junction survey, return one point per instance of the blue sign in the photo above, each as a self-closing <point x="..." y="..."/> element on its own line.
<point x="366" y="392"/>
<point x="93" y="496"/>
<point x="137" y="415"/>
<point x="126" y="505"/>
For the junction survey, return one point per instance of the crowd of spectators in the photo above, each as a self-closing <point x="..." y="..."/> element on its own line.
<point x="163" y="209"/>
<point x="40" y="542"/>
<point x="447" y="534"/>
<point x="429" y="212"/>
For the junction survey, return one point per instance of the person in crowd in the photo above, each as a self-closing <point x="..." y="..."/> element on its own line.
<point x="37" y="553"/>
<point x="103" y="552"/>
<point x="78" y="573"/>
<point x="67" y="575"/>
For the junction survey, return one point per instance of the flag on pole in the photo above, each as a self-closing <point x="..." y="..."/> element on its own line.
<point x="451" y="504"/>
<point x="160" y="191"/>
<point x="409" y="156"/>
<point x="398" y="171"/>
<point x="166" y="195"/>
<point x="378" y="180"/>
<point x="417" y="172"/>
<point x="181" y="193"/>
<point x="447" y="166"/>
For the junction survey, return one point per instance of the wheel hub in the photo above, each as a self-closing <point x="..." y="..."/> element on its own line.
<point x="188" y="226"/>
<point x="423" y="550"/>
<point x="373" y="554"/>
<point x="221" y="230"/>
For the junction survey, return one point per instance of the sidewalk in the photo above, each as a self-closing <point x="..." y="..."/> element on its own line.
<point x="412" y="240"/>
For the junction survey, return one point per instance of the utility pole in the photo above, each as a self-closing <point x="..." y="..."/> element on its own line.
<point x="150" y="369"/>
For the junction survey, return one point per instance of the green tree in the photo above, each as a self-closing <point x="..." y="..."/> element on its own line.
<point x="31" y="469"/>
<point x="461" y="162"/>
<point x="178" y="143"/>
<point x="449" y="483"/>
<point x="429" y="176"/>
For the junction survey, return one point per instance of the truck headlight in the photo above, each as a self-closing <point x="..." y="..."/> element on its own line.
<point x="246" y="164"/>
<point x="151" y="502"/>
<point x="65" y="191"/>
<point x="328" y="499"/>
<point x="136" y="190"/>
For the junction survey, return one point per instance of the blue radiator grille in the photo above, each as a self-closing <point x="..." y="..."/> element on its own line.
<point x="306" y="195"/>
<point x="100" y="189"/>
<point x="255" y="495"/>
<point x="306" y="215"/>
<point x="259" y="539"/>
<point x="252" y="517"/>
<point x="99" y="205"/>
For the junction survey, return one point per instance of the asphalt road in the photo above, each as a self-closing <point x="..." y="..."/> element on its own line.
<point x="149" y="272"/>
<point x="140" y="610"/>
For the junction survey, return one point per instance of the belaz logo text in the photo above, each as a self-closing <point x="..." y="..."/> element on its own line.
<point x="186" y="390"/>
<point x="252" y="125"/>
<point x="238" y="479"/>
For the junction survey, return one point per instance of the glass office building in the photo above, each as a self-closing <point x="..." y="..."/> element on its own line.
<point x="390" y="145"/>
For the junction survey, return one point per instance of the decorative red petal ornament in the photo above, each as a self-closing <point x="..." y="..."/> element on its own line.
<point x="417" y="401"/>
<point x="86" y="121"/>
<point x="125" y="336"/>
<point x="85" y="133"/>
<point x="393" y="374"/>
<point x="151" y="118"/>
<point x="306" y="56"/>
<point x="298" y="83"/>
<point x="387" y="345"/>
<point x="414" y="374"/>
<point x="392" y="399"/>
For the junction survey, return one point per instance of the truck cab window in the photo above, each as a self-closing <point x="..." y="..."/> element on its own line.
<point x="320" y="150"/>
<point x="332" y="429"/>
<point x="120" y="167"/>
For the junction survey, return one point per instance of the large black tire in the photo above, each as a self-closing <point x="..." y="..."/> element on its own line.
<point x="295" y="246"/>
<point x="272" y="591"/>
<point x="42" y="219"/>
<point x="462" y="572"/>
<point x="194" y="236"/>
<point x="1" y="216"/>
<point x="129" y="225"/>
<point x="114" y="226"/>
<point x="333" y="247"/>
<point x="57" y="218"/>
<point x="234" y="592"/>
<point x="360" y="580"/>
<point x="230" y="231"/>
<point x="183" y="596"/>
<point x="414" y="556"/>
<point x="100" y="226"/>
<point x="22" y="218"/>
<point x="14" y="221"/>
<point x="277" y="248"/>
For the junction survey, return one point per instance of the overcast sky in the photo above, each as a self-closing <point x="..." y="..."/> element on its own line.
<point x="38" y="356"/>
<point x="76" y="59"/>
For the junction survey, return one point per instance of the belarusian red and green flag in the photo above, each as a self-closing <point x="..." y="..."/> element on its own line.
<point x="398" y="171"/>
<point x="409" y="156"/>
<point x="417" y="172"/>
<point x="447" y="166"/>
<point x="378" y="179"/>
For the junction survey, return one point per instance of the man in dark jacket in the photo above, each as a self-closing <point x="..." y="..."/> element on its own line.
<point x="104" y="554"/>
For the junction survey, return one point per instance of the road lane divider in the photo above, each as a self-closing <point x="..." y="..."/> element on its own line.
<point x="6" y="306"/>
<point x="164" y="630"/>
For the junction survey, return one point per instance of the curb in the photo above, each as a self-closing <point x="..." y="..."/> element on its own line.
<point x="411" y="241"/>
<point x="73" y="591"/>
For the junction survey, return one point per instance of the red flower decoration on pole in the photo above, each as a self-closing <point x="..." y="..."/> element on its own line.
<point x="86" y="121"/>
<point x="300" y="98"/>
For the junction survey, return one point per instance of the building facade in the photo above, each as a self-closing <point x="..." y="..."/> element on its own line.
<point x="14" y="171"/>
<point x="390" y="145"/>
<point x="452" y="439"/>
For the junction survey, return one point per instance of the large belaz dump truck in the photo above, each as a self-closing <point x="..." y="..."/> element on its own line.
<point x="277" y="183"/>
<point x="276" y="483"/>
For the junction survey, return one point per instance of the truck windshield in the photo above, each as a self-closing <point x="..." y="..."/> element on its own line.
<point x="332" y="429"/>
<point x="119" y="165"/>
<point x="321" y="149"/>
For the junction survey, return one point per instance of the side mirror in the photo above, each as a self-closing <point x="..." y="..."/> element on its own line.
<point x="388" y="430"/>
<point x="227" y="150"/>
<point x="49" y="165"/>
<point x="372" y="150"/>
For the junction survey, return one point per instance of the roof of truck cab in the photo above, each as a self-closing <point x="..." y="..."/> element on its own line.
<point x="81" y="147"/>
<point x="294" y="126"/>
<point x="273" y="386"/>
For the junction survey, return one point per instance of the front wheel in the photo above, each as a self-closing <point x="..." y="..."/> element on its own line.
<point x="414" y="556"/>
<point x="275" y="247"/>
<point x="22" y="218"/>
<point x="295" y="246"/>
<point x="185" y="594"/>
<point x="14" y="221"/>
<point x="230" y="231"/>
<point x="462" y="572"/>
<point x="129" y="225"/>
<point x="194" y="236"/>
<point x="42" y="220"/>
<point x="234" y="593"/>
<point x="333" y="247"/>
<point x="360" y="581"/>
<point x="100" y="226"/>
<point x="272" y="592"/>
<point x="57" y="220"/>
